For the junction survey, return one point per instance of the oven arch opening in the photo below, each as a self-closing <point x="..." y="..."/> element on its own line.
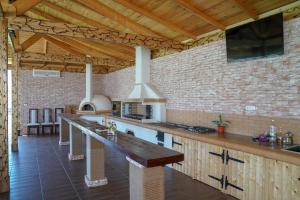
<point x="88" y="107"/>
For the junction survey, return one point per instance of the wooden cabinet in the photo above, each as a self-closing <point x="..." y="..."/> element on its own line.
<point x="282" y="180"/>
<point x="242" y="175"/>
<point x="187" y="147"/>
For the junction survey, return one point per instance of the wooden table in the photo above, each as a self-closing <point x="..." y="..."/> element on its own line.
<point x="146" y="160"/>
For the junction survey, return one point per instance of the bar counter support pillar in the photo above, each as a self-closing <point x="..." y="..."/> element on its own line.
<point x="63" y="132"/>
<point x="146" y="183"/>
<point x="76" y="152"/>
<point x="95" y="163"/>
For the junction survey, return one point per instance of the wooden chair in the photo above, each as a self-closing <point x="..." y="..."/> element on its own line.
<point x="33" y="121"/>
<point x="47" y="120"/>
<point x="58" y="111"/>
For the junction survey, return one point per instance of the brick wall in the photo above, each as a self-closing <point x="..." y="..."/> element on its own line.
<point x="51" y="92"/>
<point x="200" y="80"/>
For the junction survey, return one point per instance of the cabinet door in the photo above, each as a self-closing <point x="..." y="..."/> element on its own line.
<point x="282" y="181"/>
<point x="215" y="166"/>
<point x="234" y="173"/>
<point x="254" y="177"/>
<point x="202" y="160"/>
<point x="178" y="145"/>
<point x="190" y="157"/>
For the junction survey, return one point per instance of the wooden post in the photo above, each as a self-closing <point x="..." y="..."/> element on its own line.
<point x="15" y="102"/>
<point x="4" y="177"/>
<point x="95" y="173"/>
<point x="75" y="143"/>
<point x="63" y="132"/>
<point x="146" y="183"/>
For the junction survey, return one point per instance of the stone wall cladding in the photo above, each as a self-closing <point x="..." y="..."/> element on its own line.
<point x="200" y="79"/>
<point x="51" y="92"/>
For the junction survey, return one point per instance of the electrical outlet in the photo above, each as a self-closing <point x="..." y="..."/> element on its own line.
<point x="250" y="108"/>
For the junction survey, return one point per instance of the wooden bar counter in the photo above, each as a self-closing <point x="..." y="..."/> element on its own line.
<point x="146" y="160"/>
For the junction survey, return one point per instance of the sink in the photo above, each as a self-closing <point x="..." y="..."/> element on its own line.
<point x="295" y="149"/>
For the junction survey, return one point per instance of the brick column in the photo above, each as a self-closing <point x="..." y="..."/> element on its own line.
<point x="146" y="183"/>
<point x="63" y="132"/>
<point x="4" y="177"/>
<point x="15" y="102"/>
<point x="95" y="173"/>
<point x="75" y="143"/>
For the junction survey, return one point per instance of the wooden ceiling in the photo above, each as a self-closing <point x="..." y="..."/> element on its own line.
<point x="180" y="21"/>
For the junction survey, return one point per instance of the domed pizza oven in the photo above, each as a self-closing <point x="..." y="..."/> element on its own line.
<point x="93" y="104"/>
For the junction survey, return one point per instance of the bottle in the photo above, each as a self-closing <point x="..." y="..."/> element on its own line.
<point x="272" y="132"/>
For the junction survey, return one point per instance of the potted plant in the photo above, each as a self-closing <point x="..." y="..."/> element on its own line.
<point x="112" y="127"/>
<point x="221" y="123"/>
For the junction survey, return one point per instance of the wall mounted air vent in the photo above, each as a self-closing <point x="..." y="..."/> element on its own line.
<point x="45" y="73"/>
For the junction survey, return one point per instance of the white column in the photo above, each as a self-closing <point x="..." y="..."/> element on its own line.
<point x="89" y="82"/>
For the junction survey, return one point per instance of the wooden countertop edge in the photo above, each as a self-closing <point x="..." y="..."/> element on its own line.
<point x="234" y="144"/>
<point x="146" y="163"/>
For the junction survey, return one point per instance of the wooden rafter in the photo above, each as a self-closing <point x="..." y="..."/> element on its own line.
<point x="24" y="5"/>
<point x="114" y="15"/>
<point x="28" y="24"/>
<point x="246" y="8"/>
<point x="152" y="16"/>
<point x="86" y="49"/>
<point x="62" y="45"/>
<point x="45" y="46"/>
<point x="30" y="41"/>
<point x="46" y="15"/>
<point x="187" y="5"/>
<point x="74" y="15"/>
<point x="71" y="59"/>
<point x="108" y="50"/>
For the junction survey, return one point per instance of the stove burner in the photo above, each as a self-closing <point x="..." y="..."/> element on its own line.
<point x="195" y="129"/>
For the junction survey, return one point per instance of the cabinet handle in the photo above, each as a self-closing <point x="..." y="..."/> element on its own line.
<point x="219" y="155"/>
<point x="231" y="185"/>
<point x="179" y="163"/>
<point x="173" y="142"/>
<point x="221" y="180"/>
<point x="231" y="158"/>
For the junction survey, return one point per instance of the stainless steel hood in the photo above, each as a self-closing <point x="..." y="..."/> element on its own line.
<point x="143" y="91"/>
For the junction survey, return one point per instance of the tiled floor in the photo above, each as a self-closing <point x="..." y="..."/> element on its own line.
<point x="41" y="170"/>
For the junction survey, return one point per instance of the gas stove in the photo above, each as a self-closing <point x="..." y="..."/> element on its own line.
<point x="194" y="129"/>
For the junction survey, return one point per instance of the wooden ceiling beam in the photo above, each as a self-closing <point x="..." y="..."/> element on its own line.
<point x="45" y="46"/>
<point x="108" y="50"/>
<point x="116" y="16"/>
<point x="74" y="15"/>
<point x="83" y="48"/>
<point x="62" y="45"/>
<point x="30" y="41"/>
<point x="202" y="15"/>
<point x="71" y="59"/>
<point x="156" y="18"/>
<point x="247" y="9"/>
<point x="24" y="5"/>
<point x="46" y="15"/>
<point x="28" y="24"/>
<point x="63" y="68"/>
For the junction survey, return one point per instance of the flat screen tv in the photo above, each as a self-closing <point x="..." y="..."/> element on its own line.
<point x="261" y="38"/>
